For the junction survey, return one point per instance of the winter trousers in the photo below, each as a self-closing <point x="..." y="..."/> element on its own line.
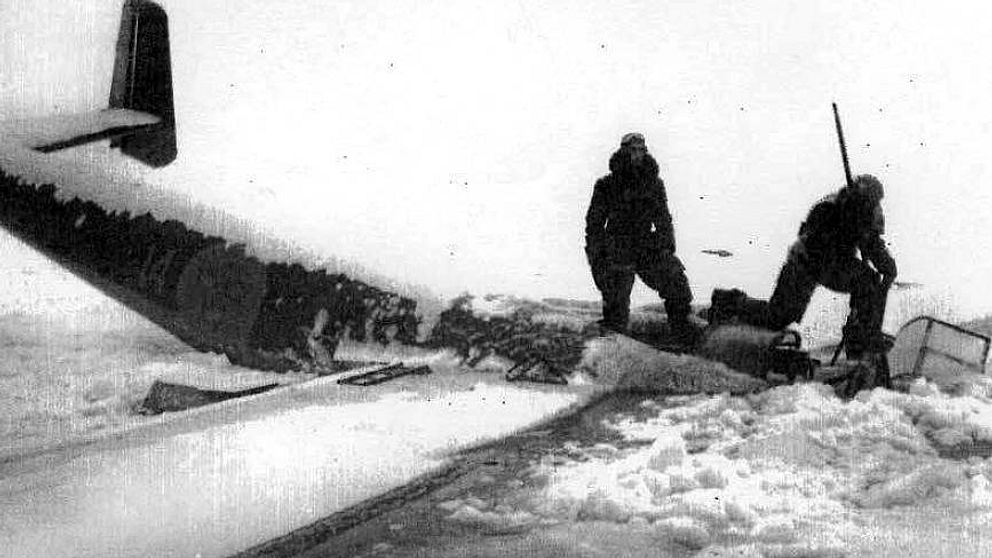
<point x="661" y="270"/>
<point x="800" y="276"/>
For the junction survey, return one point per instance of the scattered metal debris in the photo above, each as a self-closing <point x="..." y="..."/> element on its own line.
<point x="384" y="374"/>
<point x="167" y="397"/>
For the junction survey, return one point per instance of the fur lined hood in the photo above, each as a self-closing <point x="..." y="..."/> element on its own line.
<point x="620" y="167"/>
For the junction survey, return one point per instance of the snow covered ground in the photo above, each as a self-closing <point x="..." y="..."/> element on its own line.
<point x="81" y="474"/>
<point x="76" y="363"/>
<point x="794" y="471"/>
<point x="219" y="479"/>
<point x="791" y="471"/>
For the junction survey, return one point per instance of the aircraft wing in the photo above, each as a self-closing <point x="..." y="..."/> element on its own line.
<point x="60" y="132"/>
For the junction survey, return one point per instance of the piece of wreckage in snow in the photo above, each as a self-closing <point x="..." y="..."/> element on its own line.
<point x="197" y="273"/>
<point x="549" y="353"/>
<point x="207" y="277"/>
<point x="204" y="276"/>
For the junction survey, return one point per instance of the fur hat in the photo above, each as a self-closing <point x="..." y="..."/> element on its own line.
<point x="631" y="139"/>
<point x="869" y="186"/>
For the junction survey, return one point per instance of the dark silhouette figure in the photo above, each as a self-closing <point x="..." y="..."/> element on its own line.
<point x="629" y="232"/>
<point x="837" y="229"/>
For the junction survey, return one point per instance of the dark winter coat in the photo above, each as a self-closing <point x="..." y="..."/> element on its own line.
<point x="842" y="223"/>
<point x="629" y="211"/>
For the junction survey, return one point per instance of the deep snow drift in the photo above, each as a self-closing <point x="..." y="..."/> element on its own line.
<point x="792" y="471"/>
<point x="786" y="472"/>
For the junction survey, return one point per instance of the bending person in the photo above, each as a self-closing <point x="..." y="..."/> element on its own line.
<point x="836" y="230"/>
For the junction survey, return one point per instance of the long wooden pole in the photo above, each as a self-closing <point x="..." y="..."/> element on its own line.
<point x="850" y="184"/>
<point x="843" y="148"/>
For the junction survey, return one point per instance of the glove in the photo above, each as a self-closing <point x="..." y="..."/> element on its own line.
<point x="887" y="281"/>
<point x="596" y="248"/>
<point x="597" y="255"/>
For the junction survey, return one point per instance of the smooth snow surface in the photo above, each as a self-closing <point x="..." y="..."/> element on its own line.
<point x="251" y="475"/>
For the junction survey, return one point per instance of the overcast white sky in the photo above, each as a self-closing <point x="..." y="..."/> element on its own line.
<point x="455" y="144"/>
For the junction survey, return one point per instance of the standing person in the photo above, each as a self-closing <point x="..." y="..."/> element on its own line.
<point x="629" y="232"/>
<point x="835" y="231"/>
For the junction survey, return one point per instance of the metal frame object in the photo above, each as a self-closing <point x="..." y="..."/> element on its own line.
<point x="925" y="347"/>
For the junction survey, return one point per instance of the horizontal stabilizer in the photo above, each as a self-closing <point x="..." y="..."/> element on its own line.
<point x="61" y="132"/>
<point x="141" y="119"/>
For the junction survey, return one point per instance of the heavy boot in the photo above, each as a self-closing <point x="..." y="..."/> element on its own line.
<point x="854" y="339"/>
<point x="726" y="305"/>
<point x="606" y="327"/>
<point x="734" y="306"/>
<point x="681" y="327"/>
<point x="859" y="342"/>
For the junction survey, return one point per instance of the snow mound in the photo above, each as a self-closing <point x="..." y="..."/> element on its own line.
<point x="684" y="530"/>
<point x="948" y="421"/>
<point x="783" y="472"/>
<point x="497" y="521"/>
<point x="630" y="364"/>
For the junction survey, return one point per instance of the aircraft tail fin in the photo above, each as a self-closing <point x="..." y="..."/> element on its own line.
<point x="142" y="82"/>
